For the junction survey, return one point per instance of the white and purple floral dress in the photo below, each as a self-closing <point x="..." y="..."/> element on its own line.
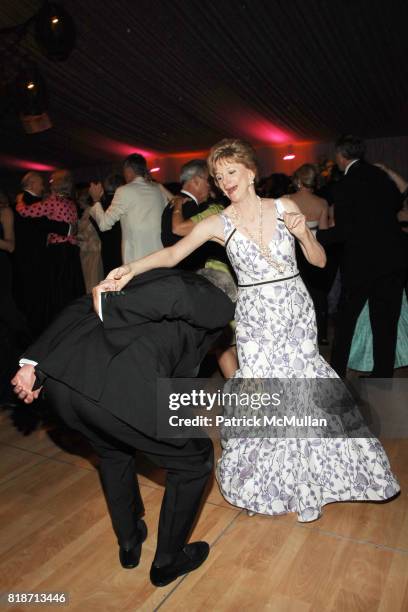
<point x="277" y="338"/>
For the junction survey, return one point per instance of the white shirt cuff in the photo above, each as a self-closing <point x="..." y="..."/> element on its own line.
<point x="27" y="362"/>
<point x="100" y="307"/>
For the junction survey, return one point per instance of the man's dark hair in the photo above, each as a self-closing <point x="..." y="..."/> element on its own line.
<point x="112" y="182"/>
<point x="350" y="147"/>
<point x="137" y="163"/>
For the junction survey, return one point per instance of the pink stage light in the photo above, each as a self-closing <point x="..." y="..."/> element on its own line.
<point x="154" y="170"/>
<point x="116" y="147"/>
<point x="25" y="164"/>
<point x="261" y="131"/>
<point x="264" y="131"/>
<point x="190" y="154"/>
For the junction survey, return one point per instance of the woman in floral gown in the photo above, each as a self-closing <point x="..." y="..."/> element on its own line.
<point x="276" y="339"/>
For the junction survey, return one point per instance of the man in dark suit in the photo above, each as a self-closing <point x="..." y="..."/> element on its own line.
<point x="194" y="193"/>
<point x="374" y="257"/>
<point x="101" y="378"/>
<point x="30" y="252"/>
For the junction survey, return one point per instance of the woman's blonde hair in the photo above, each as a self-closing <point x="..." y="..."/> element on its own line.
<point x="61" y="183"/>
<point x="306" y="176"/>
<point x="235" y="150"/>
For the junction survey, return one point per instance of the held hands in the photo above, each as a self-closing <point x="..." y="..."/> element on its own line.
<point x="115" y="281"/>
<point x="296" y="223"/>
<point x="23" y="383"/>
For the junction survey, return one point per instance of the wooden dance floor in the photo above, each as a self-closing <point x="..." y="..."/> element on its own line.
<point x="56" y="536"/>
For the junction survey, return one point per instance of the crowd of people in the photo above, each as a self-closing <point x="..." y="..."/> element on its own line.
<point x="60" y="239"/>
<point x="277" y="256"/>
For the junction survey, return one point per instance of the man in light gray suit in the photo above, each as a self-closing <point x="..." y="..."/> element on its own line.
<point x="138" y="206"/>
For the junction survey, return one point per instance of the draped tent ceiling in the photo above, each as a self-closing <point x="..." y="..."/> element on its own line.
<point x="166" y="77"/>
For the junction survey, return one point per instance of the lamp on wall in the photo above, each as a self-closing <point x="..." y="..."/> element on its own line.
<point x="289" y="154"/>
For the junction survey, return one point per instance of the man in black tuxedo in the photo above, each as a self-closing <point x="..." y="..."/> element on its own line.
<point x="195" y="192"/>
<point x="29" y="256"/>
<point x="101" y="378"/>
<point x="374" y="257"/>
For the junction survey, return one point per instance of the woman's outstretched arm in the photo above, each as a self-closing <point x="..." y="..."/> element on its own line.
<point x="169" y="257"/>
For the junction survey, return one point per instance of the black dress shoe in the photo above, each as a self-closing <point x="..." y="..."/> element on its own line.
<point x="189" y="559"/>
<point x="130" y="557"/>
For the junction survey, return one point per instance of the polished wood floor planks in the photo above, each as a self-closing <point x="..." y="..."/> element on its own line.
<point x="56" y="536"/>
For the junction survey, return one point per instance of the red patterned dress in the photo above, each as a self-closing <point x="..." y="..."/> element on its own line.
<point x="56" y="208"/>
<point x="62" y="267"/>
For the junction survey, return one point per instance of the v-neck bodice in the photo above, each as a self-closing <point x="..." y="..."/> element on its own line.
<point x="246" y="258"/>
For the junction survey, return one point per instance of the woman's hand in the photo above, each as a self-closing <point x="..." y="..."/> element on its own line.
<point x="296" y="223"/>
<point x="96" y="191"/>
<point x="121" y="275"/>
<point x="115" y="281"/>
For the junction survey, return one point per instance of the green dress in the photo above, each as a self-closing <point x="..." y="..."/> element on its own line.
<point x="361" y="353"/>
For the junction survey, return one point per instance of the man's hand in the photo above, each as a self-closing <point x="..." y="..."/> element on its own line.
<point x="115" y="281"/>
<point x="23" y="383"/>
<point x="73" y="229"/>
<point x="96" y="191"/>
<point x="177" y="202"/>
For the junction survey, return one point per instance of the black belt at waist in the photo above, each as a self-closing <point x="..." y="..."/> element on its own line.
<point x="276" y="280"/>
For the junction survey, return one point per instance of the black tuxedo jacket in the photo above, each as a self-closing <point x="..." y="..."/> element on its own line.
<point x="366" y="202"/>
<point x="196" y="260"/>
<point x="161" y="325"/>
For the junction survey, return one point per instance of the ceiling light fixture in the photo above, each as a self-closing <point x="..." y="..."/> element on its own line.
<point x="32" y="99"/>
<point x="56" y="42"/>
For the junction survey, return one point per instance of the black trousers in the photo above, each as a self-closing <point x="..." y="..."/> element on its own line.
<point x="318" y="282"/>
<point x="114" y="441"/>
<point x="384" y="295"/>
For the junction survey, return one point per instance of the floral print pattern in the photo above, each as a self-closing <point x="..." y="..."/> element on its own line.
<point x="277" y="338"/>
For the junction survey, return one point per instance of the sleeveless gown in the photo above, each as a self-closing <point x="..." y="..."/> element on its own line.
<point x="277" y="338"/>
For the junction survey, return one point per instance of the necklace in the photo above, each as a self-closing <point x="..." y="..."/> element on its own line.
<point x="263" y="248"/>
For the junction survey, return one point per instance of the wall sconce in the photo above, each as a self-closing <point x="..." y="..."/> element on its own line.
<point x="290" y="154"/>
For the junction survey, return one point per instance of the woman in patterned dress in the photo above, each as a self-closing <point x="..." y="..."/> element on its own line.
<point x="276" y="339"/>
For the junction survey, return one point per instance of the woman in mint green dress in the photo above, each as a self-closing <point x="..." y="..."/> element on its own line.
<point x="361" y="353"/>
